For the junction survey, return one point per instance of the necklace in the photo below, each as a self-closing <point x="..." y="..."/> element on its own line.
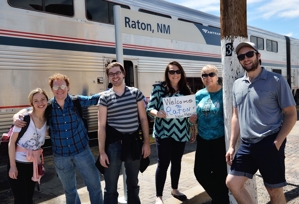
<point x="40" y="120"/>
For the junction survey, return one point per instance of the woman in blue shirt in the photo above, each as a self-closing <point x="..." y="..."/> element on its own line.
<point x="210" y="165"/>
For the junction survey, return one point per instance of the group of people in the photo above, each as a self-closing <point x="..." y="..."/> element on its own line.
<point x="70" y="143"/>
<point x="172" y="134"/>
<point x="263" y="115"/>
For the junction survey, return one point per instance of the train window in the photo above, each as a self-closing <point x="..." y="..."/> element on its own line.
<point x="272" y="46"/>
<point x="278" y="71"/>
<point x="180" y="19"/>
<point x="154" y="13"/>
<point x="36" y="5"/>
<point x="62" y="7"/>
<point x="213" y="26"/>
<point x="101" y="11"/>
<point x="195" y="84"/>
<point x="259" y="42"/>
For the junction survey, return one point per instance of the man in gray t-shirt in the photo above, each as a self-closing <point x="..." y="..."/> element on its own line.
<point x="120" y="108"/>
<point x="264" y="114"/>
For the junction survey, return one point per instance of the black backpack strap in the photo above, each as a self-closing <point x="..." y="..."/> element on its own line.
<point x="24" y="129"/>
<point x="48" y="111"/>
<point x="77" y="105"/>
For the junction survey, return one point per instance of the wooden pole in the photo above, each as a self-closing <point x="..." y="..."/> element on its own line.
<point x="233" y="20"/>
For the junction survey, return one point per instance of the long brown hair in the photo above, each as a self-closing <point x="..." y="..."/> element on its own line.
<point x="183" y="87"/>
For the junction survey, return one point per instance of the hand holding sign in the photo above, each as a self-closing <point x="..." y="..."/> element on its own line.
<point x="161" y="114"/>
<point x="179" y="107"/>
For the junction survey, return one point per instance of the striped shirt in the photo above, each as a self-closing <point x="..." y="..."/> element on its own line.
<point x="68" y="134"/>
<point x="122" y="111"/>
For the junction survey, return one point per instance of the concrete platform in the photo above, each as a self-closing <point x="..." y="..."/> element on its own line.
<point x="51" y="191"/>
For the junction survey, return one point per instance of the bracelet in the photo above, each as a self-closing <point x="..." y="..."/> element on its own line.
<point x="191" y="124"/>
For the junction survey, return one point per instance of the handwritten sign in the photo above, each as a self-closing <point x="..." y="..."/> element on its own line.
<point x="179" y="107"/>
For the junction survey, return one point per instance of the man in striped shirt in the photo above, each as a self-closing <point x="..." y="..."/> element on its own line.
<point x="118" y="134"/>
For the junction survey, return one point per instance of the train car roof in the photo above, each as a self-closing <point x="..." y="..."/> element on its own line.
<point x="180" y="12"/>
<point x="174" y="10"/>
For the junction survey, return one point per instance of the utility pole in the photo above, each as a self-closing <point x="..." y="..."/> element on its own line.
<point x="233" y="20"/>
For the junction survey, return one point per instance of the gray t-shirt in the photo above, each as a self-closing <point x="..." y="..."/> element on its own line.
<point x="122" y="111"/>
<point x="260" y="104"/>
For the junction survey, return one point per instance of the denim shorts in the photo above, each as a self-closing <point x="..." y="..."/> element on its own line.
<point x="262" y="156"/>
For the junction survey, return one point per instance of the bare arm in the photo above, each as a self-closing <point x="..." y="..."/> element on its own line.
<point x="102" y="118"/>
<point x="146" y="150"/>
<point x="289" y="120"/>
<point x="192" y="120"/>
<point x="235" y="132"/>
<point x="13" y="171"/>
<point x="158" y="114"/>
<point x="193" y="135"/>
<point x="16" y="118"/>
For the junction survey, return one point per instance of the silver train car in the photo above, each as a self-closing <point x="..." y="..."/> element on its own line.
<point x="77" y="38"/>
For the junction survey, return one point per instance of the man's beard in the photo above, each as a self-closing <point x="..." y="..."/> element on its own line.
<point x="253" y="67"/>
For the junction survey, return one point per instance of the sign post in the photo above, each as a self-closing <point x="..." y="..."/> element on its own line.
<point x="119" y="58"/>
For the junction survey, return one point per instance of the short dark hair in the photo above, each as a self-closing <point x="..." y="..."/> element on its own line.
<point x="115" y="64"/>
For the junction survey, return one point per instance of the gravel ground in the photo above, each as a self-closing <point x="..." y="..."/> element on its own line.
<point x="291" y="191"/>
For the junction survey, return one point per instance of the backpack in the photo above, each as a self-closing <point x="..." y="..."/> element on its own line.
<point x="77" y="106"/>
<point x="6" y="136"/>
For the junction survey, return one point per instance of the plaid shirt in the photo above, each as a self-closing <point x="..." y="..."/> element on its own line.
<point x="68" y="134"/>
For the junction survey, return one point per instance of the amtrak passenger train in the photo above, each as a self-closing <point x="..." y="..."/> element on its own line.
<point x="77" y="38"/>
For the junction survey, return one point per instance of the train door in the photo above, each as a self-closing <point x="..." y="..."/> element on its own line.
<point x="129" y="80"/>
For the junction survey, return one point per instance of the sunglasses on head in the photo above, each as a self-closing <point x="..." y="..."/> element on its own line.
<point x="247" y="54"/>
<point x="212" y="74"/>
<point x="55" y="87"/>
<point x="174" y="71"/>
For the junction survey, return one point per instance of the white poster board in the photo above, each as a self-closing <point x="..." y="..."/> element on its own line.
<point x="179" y="107"/>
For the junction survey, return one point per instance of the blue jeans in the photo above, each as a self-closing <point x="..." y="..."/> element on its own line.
<point x="85" y="163"/>
<point x="112" y="173"/>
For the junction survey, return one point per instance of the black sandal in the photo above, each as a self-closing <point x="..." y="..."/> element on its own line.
<point x="180" y="197"/>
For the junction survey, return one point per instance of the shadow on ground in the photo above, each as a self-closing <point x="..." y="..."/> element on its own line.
<point x="51" y="183"/>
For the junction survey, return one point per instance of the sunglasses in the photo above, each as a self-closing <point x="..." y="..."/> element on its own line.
<point x="212" y="74"/>
<point x="174" y="71"/>
<point x="111" y="74"/>
<point x="57" y="87"/>
<point x="247" y="54"/>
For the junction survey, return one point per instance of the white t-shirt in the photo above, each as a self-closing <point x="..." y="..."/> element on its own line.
<point x="32" y="139"/>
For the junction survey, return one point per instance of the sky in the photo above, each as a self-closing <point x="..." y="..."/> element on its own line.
<point x="278" y="16"/>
